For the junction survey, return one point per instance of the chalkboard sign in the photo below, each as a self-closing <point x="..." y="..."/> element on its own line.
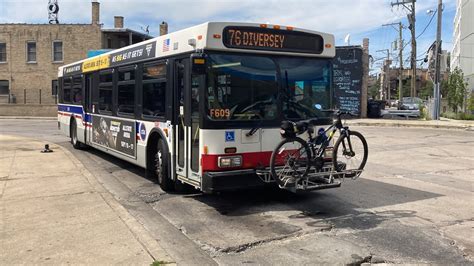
<point x="347" y="78"/>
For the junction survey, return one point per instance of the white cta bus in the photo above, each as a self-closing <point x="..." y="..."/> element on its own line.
<point x="200" y="106"/>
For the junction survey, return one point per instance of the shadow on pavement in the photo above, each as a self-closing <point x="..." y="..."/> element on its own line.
<point x="342" y="207"/>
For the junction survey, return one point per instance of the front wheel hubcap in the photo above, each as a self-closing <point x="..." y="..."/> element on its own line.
<point x="158" y="163"/>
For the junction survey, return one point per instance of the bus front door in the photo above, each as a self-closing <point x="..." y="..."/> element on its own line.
<point x="185" y="138"/>
<point x="87" y="105"/>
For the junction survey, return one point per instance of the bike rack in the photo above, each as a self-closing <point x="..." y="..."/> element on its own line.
<point x="314" y="180"/>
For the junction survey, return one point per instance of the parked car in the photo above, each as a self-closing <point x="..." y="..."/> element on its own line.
<point x="410" y="103"/>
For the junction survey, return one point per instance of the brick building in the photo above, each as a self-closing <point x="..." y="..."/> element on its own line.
<point x="30" y="55"/>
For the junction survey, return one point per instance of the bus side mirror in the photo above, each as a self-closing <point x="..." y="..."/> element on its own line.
<point x="198" y="62"/>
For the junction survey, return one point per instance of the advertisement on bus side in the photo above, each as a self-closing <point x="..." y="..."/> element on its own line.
<point x="114" y="134"/>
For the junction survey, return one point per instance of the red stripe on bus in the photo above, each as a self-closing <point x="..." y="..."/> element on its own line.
<point x="250" y="160"/>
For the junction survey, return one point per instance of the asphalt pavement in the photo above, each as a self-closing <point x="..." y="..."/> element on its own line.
<point x="413" y="204"/>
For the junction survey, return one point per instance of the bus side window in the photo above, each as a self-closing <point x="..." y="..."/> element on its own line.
<point x="126" y="91"/>
<point x="77" y="89"/>
<point x="67" y="83"/>
<point x="154" y="90"/>
<point x="105" y="92"/>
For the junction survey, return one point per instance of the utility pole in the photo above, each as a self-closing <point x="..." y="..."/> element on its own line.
<point x="411" y="20"/>
<point x="400" y="55"/>
<point x="437" y="89"/>
<point x="383" y="81"/>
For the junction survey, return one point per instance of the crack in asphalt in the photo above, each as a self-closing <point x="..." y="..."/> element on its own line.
<point x="370" y="259"/>
<point x="219" y="251"/>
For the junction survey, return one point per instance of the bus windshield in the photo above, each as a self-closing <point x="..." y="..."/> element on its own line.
<point x="252" y="87"/>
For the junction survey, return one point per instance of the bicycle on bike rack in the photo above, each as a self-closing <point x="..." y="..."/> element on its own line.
<point x="297" y="164"/>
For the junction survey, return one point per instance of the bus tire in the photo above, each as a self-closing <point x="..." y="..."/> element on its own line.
<point x="162" y="167"/>
<point x="73" y="133"/>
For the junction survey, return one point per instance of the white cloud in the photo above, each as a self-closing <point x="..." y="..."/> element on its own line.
<point x="339" y="16"/>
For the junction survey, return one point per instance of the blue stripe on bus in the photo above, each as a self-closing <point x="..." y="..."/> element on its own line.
<point x="75" y="110"/>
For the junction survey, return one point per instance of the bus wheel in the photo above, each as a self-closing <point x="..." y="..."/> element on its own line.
<point x="74" y="141"/>
<point x="162" y="167"/>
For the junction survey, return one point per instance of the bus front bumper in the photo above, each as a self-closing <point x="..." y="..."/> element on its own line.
<point x="230" y="180"/>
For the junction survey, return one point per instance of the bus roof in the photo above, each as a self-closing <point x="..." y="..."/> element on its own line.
<point x="218" y="36"/>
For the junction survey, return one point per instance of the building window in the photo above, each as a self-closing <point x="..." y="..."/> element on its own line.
<point x="31" y="52"/>
<point x="57" y="51"/>
<point x="3" y="52"/>
<point x="4" y="89"/>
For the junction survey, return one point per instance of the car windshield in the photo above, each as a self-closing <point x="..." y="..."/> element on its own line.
<point x="248" y="87"/>
<point x="411" y="100"/>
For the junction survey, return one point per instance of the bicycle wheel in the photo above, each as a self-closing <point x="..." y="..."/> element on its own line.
<point x="350" y="153"/>
<point x="290" y="161"/>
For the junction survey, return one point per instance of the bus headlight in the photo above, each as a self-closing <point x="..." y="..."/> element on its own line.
<point x="328" y="153"/>
<point x="229" y="161"/>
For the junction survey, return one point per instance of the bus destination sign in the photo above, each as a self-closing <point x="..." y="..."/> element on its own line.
<point x="271" y="39"/>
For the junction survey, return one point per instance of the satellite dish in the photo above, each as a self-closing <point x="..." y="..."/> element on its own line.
<point x="347" y="40"/>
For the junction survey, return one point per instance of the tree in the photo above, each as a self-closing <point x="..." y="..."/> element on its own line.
<point x="427" y="90"/>
<point x="470" y="103"/>
<point x="374" y="90"/>
<point x="456" y="90"/>
<point x="406" y="87"/>
<point x="444" y="88"/>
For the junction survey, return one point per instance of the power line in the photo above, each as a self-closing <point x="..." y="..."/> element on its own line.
<point x="423" y="31"/>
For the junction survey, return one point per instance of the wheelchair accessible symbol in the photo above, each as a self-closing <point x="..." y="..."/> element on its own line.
<point x="229" y="136"/>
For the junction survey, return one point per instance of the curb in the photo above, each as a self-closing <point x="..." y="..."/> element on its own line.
<point x="377" y="124"/>
<point x="29" y="117"/>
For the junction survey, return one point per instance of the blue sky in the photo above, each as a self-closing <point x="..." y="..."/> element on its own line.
<point x="361" y="18"/>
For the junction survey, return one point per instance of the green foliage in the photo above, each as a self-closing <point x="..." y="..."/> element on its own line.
<point x="424" y="112"/>
<point x="458" y="116"/>
<point x="456" y="90"/>
<point x="444" y="88"/>
<point x="406" y="87"/>
<point x="374" y="90"/>
<point x="470" y="102"/>
<point x="427" y="90"/>
<point x="160" y="263"/>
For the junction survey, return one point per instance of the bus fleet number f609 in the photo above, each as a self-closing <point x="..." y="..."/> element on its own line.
<point x="219" y="113"/>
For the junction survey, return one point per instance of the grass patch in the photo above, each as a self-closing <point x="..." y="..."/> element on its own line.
<point x="160" y="263"/>
<point x="458" y="116"/>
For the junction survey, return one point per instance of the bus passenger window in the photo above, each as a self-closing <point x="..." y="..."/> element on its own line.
<point x="77" y="90"/>
<point x="105" y="92"/>
<point x="126" y="91"/>
<point x="67" y="82"/>
<point x="105" y="99"/>
<point x="154" y="90"/>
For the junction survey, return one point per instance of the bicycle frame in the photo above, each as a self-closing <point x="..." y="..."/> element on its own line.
<point x="315" y="171"/>
<point x="335" y="127"/>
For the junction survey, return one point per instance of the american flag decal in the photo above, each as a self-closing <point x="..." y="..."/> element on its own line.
<point x="166" y="45"/>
